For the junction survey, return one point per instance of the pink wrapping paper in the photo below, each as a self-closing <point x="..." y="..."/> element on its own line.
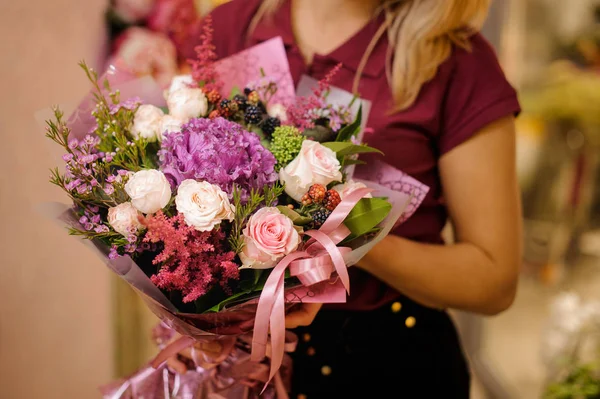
<point x="244" y="67"/>
<point x="232" y="376"/>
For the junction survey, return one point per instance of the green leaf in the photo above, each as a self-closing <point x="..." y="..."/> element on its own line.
<point x="366" y="215"/>
<point x="297" y="219"/>
<point x="247" y="286"/>
<point x="234" y="91"/>
<point x="218" y="307"/>
<point x="346" y="133"/>
<point x="344" y="148"/>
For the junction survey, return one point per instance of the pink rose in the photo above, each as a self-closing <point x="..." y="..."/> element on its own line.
<point x="268" y="237"/>
<point x="144" y="52"/>
<point x="316" y="164"/>
<point x="132" y="11"/>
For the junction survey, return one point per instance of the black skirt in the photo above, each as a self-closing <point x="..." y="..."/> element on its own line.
<point x="401" y="350"/>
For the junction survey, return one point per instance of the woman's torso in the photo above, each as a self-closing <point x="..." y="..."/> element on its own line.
<point x="468" y="92"/>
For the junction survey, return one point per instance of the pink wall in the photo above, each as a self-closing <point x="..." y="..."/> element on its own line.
<point x="55" y="330"/>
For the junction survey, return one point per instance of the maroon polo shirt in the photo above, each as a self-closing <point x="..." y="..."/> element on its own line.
<point x="468" y="92"/>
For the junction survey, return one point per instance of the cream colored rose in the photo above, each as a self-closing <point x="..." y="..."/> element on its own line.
<point x="203" y="205"/>
<point x="169" y="124"/>
<point x="149" y="190"/>
<point x="278" y="111"/>
<point x="315" y="164"/>
<point x="349" y="187"/>
<point x="179" y="82"/>
<point x="123" y="218"/>
<point x="186" y="103"/>
<point x="147" y="122"/>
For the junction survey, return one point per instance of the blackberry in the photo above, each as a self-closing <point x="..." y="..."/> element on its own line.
<point x="270" y="125"/>
<point x="247" y="91"/>
<point x="253" y="115"/>
<point x="225" y="107"/>
<point x="241" y="101"/>
<point x="321" y="122"/>
<point x="316" y="193"/>
<point x="320" y="216"/>
<point x="331" y="200"/>
<point x="262" y="107"/>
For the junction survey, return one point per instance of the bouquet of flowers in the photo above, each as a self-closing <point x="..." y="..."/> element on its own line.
<point x="223" y="211"/>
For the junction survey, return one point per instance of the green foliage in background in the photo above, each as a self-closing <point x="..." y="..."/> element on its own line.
<point x="581" y="382"/>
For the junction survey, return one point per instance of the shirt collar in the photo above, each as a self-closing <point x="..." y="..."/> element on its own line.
<point x="349" y="54"/>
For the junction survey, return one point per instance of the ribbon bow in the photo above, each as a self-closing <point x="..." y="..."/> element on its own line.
<point x="315" y="263"/>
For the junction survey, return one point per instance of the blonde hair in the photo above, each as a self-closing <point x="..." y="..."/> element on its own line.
<point x="421" y="34"/>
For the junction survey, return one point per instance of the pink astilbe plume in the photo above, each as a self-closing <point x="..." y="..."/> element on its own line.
<point x="203" y="67"/>
<point x="192" y="262"/>
<point x="309" y="108"/>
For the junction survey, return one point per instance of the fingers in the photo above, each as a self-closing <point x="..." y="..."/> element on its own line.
<point x="303" y="316"/>
<point x="176" y="365"/>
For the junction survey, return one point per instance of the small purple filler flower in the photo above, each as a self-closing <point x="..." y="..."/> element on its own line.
<point x="220" y="152"/>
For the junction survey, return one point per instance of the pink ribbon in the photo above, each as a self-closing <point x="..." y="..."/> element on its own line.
<point x="315" y="263"/>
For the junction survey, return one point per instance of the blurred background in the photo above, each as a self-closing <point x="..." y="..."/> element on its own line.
<point x="67" y="327"/>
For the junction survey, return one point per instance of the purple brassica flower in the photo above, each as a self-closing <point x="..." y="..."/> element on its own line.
<point x="220" y="152"/>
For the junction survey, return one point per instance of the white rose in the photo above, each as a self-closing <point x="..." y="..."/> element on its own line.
<point x="146" y="122"/>
<point x="203" y="205"/>
<point x="278" y="111"/>
<point x="124" y="218"/>
<point x="179" y="82"/>
<point x="186" y="103"/>
<point x="349" y="187"/>
<point x="169" y="124"/>
<point x="149" y="190"/>
<point x="316" y="164"/>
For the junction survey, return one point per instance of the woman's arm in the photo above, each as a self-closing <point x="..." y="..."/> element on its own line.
<point x="479" y="273"/>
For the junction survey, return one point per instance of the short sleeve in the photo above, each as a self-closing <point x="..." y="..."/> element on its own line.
<point x="230" y="22"/>
<point x="477" y="94"/>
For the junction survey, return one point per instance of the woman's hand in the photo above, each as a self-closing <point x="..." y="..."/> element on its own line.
<point x="302" y="315"/>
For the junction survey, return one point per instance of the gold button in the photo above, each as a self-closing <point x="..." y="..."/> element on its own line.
<point x="410" y="322"/>
<point x="301" y="396"/>
<point x="396" y="306"/>
<point x="325" y="370"/>
<point x="311" y="351"/>
<point x="306" y="337"/>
